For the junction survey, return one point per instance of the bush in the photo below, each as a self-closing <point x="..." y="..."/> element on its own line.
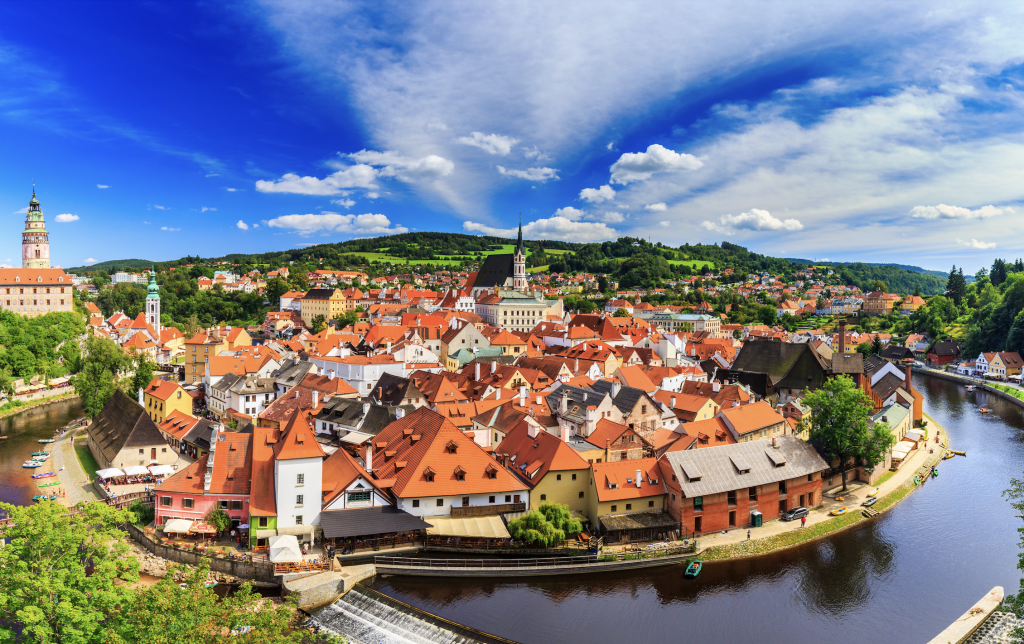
<point x="546" y="526"/>
<point x="141" y="514"/>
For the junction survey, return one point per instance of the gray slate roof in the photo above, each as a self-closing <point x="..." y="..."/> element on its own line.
<point x="292" y="372"/>
<point x="718" y="473"/>
<point x="358" y="522"/>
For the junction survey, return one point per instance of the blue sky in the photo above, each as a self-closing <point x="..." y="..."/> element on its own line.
<point x="846" y="131"/>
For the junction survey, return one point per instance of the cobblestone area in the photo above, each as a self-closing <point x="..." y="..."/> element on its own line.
<point x="996" y="629"/>
<point x="151" y="564"/>
<point x="74" y="481"/>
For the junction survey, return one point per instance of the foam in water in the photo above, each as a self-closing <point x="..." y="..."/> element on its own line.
<point x="361" y="619"/>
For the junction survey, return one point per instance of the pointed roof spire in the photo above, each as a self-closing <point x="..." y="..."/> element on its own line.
<point x="33" y="201"/>
<point x="519" y="246"/>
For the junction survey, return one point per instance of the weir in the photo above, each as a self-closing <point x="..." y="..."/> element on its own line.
<point x="364" y="616"/>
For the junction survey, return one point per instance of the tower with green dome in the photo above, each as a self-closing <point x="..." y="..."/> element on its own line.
<point x="35" y="241"/>
<point x="153" y="303"/>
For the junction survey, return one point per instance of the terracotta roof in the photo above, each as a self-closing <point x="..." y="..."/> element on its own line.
<point x="749" y="418"/>
<point x="635" y="377"/>
<point x="188" y="481"/>
<point x="536" y="456"/>
<point x="162" y="389"/>
<point x="298" y="398"/>
<point x="340" y="469"/>
<point x="138" y="341"/>
<point x="298" y="440"/>
<point x="703" y="433"/>
<point x="262" y="502"/>
<point x="232" y="463"/>
<point x="34" y="276"/>
<point x="608" y="431"/>
<point x="178" y="424"/>
<point x="328" y="386"/>
<point x="622" y="475"/>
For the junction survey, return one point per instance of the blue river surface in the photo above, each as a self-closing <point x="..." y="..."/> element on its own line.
<point x="902" y="577"/>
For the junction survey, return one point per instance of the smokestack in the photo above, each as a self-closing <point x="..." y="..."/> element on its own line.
<point x="563" y="404"/>
<point x="399" y="413"/>
<point x="639" y="477"/>
<point x="369" y="456"/>
<point x="316" y="397"/>
<point x="477" y="372"/>
<point x="522" y="395"/>
<point x="140" y="397"/>
<point x="842" y="337"/>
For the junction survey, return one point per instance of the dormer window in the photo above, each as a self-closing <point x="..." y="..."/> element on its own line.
<point x="451" y="447"/>
<point x="429" y="475"/>
<point x="491" y="472"/>
<point x="460" y="473"/>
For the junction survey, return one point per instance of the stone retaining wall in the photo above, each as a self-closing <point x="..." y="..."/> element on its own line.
<point x="964" y="380"/>
<point x="599" y="566"/>
<point x="964" y="627"/>
<point x="326" y="587"/>
<point x="243" y="570"/>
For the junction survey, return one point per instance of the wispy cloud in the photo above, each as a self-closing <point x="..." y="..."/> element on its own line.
<point x="490" y="143"/>
<point x="530" y="174"/>
<point x="169" y="229"/>
<point x="552" y="228"/>
<point x="942" y="211"/>
<point x="231" y="189"/>
<point x="974" y="243"/>
<point x="656" y="207"/>
<point x="205" y="208"/>
<point x="159" y="207"/>
<point x="101" y="186"/>
<point x="65" y="218"/>
<point x="344" y="203"/>
<point x="332" y="222"/>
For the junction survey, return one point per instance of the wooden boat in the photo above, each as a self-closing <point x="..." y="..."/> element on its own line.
<point x="837" y="511"/>
<point x="953" y="451"/>
<point x="31" y="464"/>
<point x="948" y="455"/>
<point x="47" y="440"/>
<point x="51" y="484"/>
<point x="44" y="475"/>
<point x="874" y="492"/>
<point x="693" y="569"/>
<point x="40" y="453"/>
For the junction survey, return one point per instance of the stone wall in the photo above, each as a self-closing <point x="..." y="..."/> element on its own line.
<point x="243" y="570"/>
<point x="325" y="587"/>
<point x="955" y="377"/>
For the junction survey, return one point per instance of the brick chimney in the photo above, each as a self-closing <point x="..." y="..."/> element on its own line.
<point x="842" y="337"/>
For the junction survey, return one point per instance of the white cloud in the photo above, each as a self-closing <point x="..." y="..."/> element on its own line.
<point x="344" y="203"/>
<point x="531" y="174"/>
<point x="656" y="207"/>
<point x="756" y="219"/>
<point x="357" y="176"/>
<point x="65" y="218"/>
<point x="666" y="223"/>
<point x="91" y="260"/>
<point x="490" y="143"/>
<point x="372" y="195"/>
<point x="101" y="186"/>
<point x="974" y="243"/>
<point x="570" y="213"/>
<point x="597" y="195"/>
<point x="242" y="225"/>
<point x="552" y="228"/>
<point x="212" y="174"/>
<point x="255" y="225"/>
<point x="161" y="207"/>
<point x="942" y="211"/>
<point x="169" y="229"/>
<point x="23" y="211"/>
<point x="328" y="222"/>
<point x="392" y="164"/>
<point x="146" y="222"/>
<point x="534" y="153"/>
<point x="637" y="166"/>
<point x="205" y="208"/>
<point x="231" y="189"/>
<point x="611" y="145"/>
<point x="609" y="217"/>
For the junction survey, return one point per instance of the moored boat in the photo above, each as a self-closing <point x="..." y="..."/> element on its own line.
<point x="40" y="453"/>
<point x="984" y="410"/>
<point x="47" y="440"/>
<point x="874" y="492"/>
<point x="948" y="455"/>
<point x="51" y="484"/>
<point x="693" y="569"/>
<point x="44" y="497"/>
<point x="31" y="464"/>
<point x="837" y="511"/>
<point x="44" y="475"/>
<point x="41" y="458"/>
<point x="935" y="472"/>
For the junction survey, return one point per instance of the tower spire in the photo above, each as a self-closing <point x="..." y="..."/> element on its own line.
<point x="519" y="245"/>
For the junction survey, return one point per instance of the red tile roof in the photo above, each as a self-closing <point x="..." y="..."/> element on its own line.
<point x="298" y="440"/>
<point x="536" y="456"/>
<point x="162" y="389"/>
<point x="622" y="474"/>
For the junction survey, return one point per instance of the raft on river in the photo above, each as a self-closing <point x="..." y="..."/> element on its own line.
<point x="693" y="569"/>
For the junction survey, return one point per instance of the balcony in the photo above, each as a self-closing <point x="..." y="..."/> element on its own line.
<point x="487" y="510"/>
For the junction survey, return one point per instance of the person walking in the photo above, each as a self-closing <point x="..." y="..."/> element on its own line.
<point x="803" y="521"/>
<point x="748" y="535"/>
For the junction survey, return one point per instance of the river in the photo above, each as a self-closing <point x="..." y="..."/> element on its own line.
<point x="23" y="432"/>
<point x="900" y="578"/>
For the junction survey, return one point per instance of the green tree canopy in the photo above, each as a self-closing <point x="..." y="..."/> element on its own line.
<point x="620" y="313"/>
<point x="319" y="323"/>
<point x="839" y="425"/>
<point x="143" y="372"/>
<point x="218" y="519"/>
<point x="546" y="526"/>
<point x="95" y="382"/>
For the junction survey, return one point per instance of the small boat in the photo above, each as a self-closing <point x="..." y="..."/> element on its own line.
<point x="948" y="455"/>
<point x="693" y="569"/>
<point x="44" y="475"/>
<point x="31" y="464"/>
<point x="953" y="451"/>
<point x="51" y="484"/>
<point x="984" y="410"/>
<point x="44" y="497"/>
<point x="874" y="492"/>
<point x="935" y="472"/>
<point x="836" y="512"/>
<point x="970" y="387"/>
<point x="41" y="459"/>
<point x="40" y="453"/>
<point x="47" y="440"/>
<point x="917" y="480"/>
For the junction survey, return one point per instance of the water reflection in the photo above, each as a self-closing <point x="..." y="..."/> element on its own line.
<point x="23" y="432"/>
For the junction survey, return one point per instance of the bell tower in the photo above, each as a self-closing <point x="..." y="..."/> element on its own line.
<point x="153" y="303"/>
<point x="35" y="241"/>
<point x="519" y="262"/>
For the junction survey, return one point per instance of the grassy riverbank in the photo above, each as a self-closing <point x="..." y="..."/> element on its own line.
<point x="17" y="406"/>
<point x="87" y="460"/>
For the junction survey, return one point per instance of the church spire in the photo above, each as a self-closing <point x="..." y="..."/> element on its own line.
<point x="519" y="246"/>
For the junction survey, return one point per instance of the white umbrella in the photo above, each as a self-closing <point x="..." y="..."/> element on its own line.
<point x="160" y="470"/>
<point x="135" y="470"/>
<point x="109" y="473"/>
<point x="284" y="549"/>
<point x="177" y="526"/>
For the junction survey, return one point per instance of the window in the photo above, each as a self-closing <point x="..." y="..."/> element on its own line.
<point x="629" y="506"/>
<point x="165" y="501"/>
<point x="236" y="505"/>
<point x="614" y="508"/>
<point x="650" y="504"/>
<point x="263" y="522"/>
<point x="543" y="497"/>
<point x="574" y="477"/>
<point x="490" y="499"/>
<point x="558" y="477"/>
<point x="782" y="487"/>
<point x="440" y="503"/>
<point x="465" y="501"/>
<point x="300" y="479"/>
<point x="298" y="520"/>
<point x="163" y="450"/>
<point x="223" y="505"/>
<point x="187" y="504"/>
<point x="415" y="503"/>
<point x="141" y="451"/>
<point x="508" y="498"/>
<point x="810" y="477"/>
<point x="752" y="493"/>
<point x="581" y="495"/>
<point x="358" y="497"/>
<point x="298" y="500"/>
<point x="698" y="503"/>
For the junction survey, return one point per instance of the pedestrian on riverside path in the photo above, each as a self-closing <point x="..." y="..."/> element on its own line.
<point x="803" y="521"/>
<point x="748" y="535"/>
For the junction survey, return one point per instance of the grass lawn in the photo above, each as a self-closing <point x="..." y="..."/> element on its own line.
<point x="537" y="269"/>
<point x="692" y="263"/>
<point x="85" y="458"/>
<point x="556" y="251"/>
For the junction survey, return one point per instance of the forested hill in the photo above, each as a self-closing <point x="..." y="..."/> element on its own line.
<point x="633" y="262"/>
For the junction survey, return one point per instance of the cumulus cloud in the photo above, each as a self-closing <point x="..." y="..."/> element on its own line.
<point x="328" y="222"/>
<point x="656" y="207"/>
<point x="169" y="229"/>
<point x="756" y="219"/>
<point x="91" y="260"/>
<point x="637" y="166"/>
<point x="234" y="189"/>
<point x="611" y="217"/>
<point x="534" y="153"/>
<point x="357" y="176"/>
<point x="242" y="225"/>
<point x="531" y="174"/>
<point x="392" y="164"/>
<point x="611" y="145"/>
<point x="205" y="208"/>
<point x="65" y="218"/>
<point x="666" y="223"/>
<point x="161" y="207"/>
<point x="570" y="213"/>
<point x="974" y="243"/>
<point x="597" y="195"/>
<point x="344" y="203"/>
<point x="942" y="211"/>
<point x="101" y="186"/>
<point x="490" y="143"/>
<point x="553" y="228"/>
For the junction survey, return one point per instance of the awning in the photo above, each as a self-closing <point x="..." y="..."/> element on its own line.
<point x="263" y="534"/>
<point x="490" y="527"/>
<point x="298" y="531"/>
<point x="358" y="522"/>
<point x="135" y="470"/>
<point x="160" y="470"/>
<point x="202" y="528"/>
<point x="109" y="473"/>
<point x="355" y="438"/>
<point x="284" y="550"/>
<point x="901" y="449"/>
<point x="177" y="526"/>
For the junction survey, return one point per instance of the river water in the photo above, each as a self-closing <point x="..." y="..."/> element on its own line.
<point x="900" y="578"/>
<point x="23" y="432"/>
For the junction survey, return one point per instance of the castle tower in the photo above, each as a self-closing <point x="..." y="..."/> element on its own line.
<point x="153" y="303"/>
<point x="35" y="241"/>
<point x="519" y="263"/>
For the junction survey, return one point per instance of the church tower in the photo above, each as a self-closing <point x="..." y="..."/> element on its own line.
<point x="35" y="241"/>
<point x="519" y="263"/>
<point x="153" y="303"/>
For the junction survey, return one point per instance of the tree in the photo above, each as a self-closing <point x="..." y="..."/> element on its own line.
<point x="620" y="313"/>
<point x="956" y="286"/>
<point x="879" y="285"/>
<point x="602" y="283"/>
<point x="1015" y="603"/>
<point x="95" y="382"/>
<point x="276" y="287"/>
<point x="876" y="345"/>
<point x="218" y="519"/>
<point x="192" y="326"/>
<point x="143" y="372"/>
<point x="546" y="526"/>
<point x="998" y="273"/>
<point x="838" y="425"/>
<point x="57" y="583"/>
<point x="21" y="361"/>
<point x="319" y="323"/>
<point x="767" y="314"/>
<point x="344" y="320"/>
<point x="917" y="291"/>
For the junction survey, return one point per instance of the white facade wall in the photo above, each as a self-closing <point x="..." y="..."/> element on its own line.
<point x="287" y="489"/>
<point x="428" y="506"/>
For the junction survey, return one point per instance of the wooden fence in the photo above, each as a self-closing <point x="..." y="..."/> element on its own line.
<point x="486" y="510"/>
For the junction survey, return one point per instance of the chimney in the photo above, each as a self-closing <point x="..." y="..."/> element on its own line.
<point x="497" y="393"/>
<point x="140" y="397"/>
<point x="330" y="374"/>
<point x="563" y="403"/>
<point x="672" y="402"/>
<point x="716" y="386"/>
<point x="775" y="442"/>
<point x="565" y="432"/>
<point x="591" y="420"/>
<point x="399" y="413"/>
<point x="907" y="382"/>
<point x="494" y="366"/>
<point x="616" y="388"/>
<point x="369" y="456"/>
<point x="576" y="367"/>
<point x="366" y="408"/>
<point x="531" y="429"/>
<point x="522" y="395"/>
<point x="316" y="398"/>
<point x="477" y="372"/>
<point x="842" y="337"/>
<point x="639" y="477"/>
<point x="538" y="399"/>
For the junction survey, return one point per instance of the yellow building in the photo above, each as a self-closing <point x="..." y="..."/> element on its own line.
<point x="328" y="302"/>
<point x="614" y="488"/>
<point x="36" y="291"/>
<point x="554" y="471"/>
<point x="209" y="343"/>
<point x="161" y="398"/>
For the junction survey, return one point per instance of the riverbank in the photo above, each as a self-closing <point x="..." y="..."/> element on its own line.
<point x="16" y="406"/>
